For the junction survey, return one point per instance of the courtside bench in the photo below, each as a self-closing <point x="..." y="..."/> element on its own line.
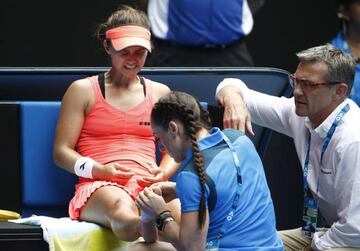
<point x="30" y="98"/>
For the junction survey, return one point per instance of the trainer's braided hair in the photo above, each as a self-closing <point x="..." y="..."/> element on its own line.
<point x="187" y="110"/>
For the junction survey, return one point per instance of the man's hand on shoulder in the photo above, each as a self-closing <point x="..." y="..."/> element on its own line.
<point x="236" y="114"/>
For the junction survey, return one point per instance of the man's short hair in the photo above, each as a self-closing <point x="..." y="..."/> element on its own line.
<point x="341" y="66"/>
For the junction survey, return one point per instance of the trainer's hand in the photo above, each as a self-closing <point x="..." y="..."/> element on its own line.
<point x="159" y="174"/>
<point x="166" y="189"/>
<point x="150" y="202"/>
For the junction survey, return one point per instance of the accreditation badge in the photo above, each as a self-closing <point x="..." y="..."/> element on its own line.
<point x="310" y="214"/>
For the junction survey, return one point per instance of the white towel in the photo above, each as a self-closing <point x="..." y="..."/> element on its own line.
<point x="64" y="234"/>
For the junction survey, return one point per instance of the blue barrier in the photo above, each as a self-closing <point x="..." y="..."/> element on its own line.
<point x="46" y="189"/>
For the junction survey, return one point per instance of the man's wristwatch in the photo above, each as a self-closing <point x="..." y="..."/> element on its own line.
<point x="162" y="219"/>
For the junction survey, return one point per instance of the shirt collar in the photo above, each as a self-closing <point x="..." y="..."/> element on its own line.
<point x="324" y="127"/>
<point x="213" y="139"/>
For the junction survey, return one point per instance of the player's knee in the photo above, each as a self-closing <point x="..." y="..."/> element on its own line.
<point x="125" y="222"/>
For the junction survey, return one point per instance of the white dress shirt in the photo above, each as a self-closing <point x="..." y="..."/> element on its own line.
<point x="339" y="176"/>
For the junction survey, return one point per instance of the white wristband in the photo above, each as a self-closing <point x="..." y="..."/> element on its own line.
<point x="83" y="167"/>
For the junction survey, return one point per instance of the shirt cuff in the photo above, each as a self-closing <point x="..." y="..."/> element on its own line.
<point x="230" y="81"/>
<point x="316" y="243"/>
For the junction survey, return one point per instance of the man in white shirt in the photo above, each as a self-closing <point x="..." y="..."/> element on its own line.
<point x="325" y="126"/>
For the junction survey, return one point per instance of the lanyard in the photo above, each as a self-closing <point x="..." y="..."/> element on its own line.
<point x="213" y="245"/>
<point x="328" y="137"/>
<point x="310" y="211"/>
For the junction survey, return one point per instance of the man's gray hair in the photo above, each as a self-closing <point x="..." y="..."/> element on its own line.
<point x="341" y="66"/>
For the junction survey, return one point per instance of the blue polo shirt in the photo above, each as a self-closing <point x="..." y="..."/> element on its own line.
<point x="253" y="224"/>
<point x="199" y="22"/>
<point x="340" y="42"/>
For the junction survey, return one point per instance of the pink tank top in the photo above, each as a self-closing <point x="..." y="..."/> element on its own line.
<point x="112" y="135"/>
